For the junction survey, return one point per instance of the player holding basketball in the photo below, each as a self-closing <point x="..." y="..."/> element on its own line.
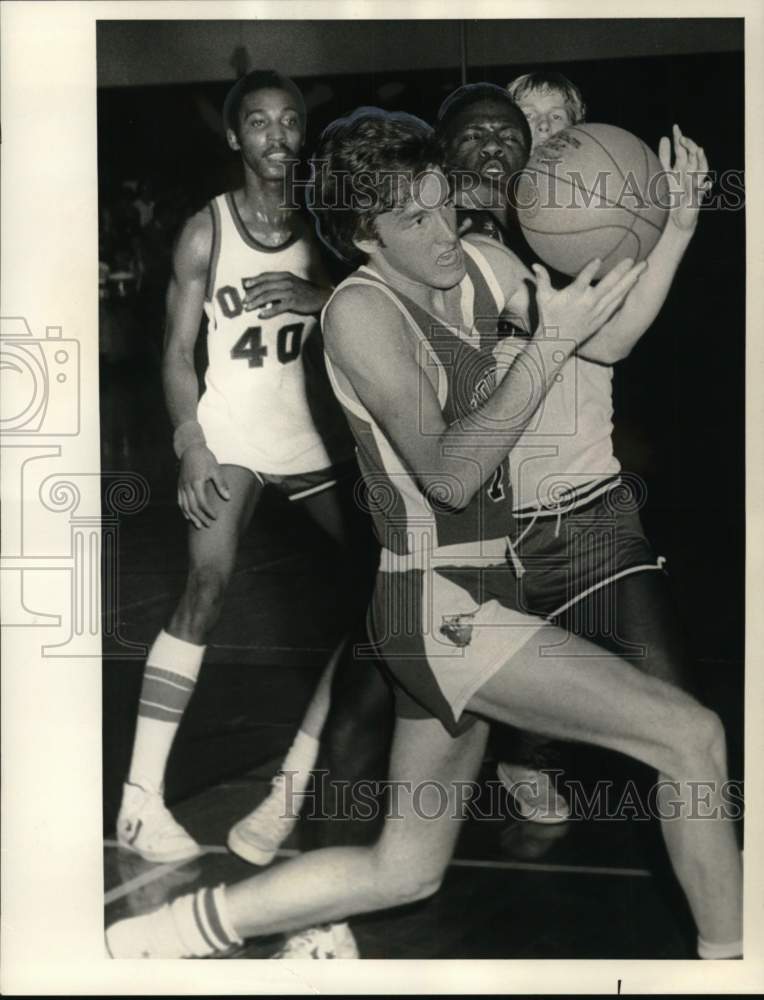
<point x="433" y="424"/>
<point x="267" y="416"/>
<point x="566" y="480"/>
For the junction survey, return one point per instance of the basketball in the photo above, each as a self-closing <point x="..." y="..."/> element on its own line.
<point x="592" y="191"/>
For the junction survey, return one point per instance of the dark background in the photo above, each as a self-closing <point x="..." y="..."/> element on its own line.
<point x="679" y="398"/>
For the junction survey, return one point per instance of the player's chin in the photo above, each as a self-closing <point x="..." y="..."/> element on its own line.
<point x="449" y="268"/>
<point x="275" y="169"/>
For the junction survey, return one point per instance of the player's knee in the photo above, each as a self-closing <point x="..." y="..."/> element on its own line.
<point x="401" y="882"/>
<point x="203" y="599"/>
<point x="699" y="748"/>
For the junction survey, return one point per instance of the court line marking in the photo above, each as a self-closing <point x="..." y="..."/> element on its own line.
<point x="254" y="568"/>
<point x="139" y="880"/>
<point x="524" y="866"/>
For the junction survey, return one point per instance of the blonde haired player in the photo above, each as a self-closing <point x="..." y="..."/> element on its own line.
<point x="550" y="102"/>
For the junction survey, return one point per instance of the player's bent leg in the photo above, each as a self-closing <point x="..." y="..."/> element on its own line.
<point x="633" y="617"/>
<point x="428" y="770"/>
<point x="647" y="629"/>
<point x="144" y="824"/>
<point x="598" y="699"/>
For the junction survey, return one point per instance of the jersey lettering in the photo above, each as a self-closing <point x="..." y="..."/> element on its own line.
<point x="250" y="346"/>
<point x="289" y="342"/>
<point x="229" y="301"/>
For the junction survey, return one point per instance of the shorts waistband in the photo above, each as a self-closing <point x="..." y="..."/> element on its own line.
<point x="486" y="553"/>
<point x="579" y="501"/>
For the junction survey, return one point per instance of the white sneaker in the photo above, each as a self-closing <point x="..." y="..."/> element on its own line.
<point x="327" y="941"/>
<point x="533" y="792"/>
<point x="258" y="836"/>
<point x="146" y="826"/>
<point x="139" y="937"/>
<point x="144" y="936"/>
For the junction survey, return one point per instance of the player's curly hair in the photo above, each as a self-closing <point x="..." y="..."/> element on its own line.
<point x="258" y="79"/>
<point x="363" y="166"/>
<point x="544" y="81"/>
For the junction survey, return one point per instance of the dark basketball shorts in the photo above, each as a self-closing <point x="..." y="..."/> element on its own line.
<point x="443" y="632"/>
<point x="560" y="559"/>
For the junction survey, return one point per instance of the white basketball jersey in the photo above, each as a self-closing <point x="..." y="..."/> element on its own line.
<point x="260" y="383"/>
<point x="566" y="453"/>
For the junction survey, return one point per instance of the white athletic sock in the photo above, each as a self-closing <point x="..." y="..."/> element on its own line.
<point x="712" y="949"/>
<point x="192" y="926"/>
<point x="169" y="678"/>
<point x="300" y="760"/>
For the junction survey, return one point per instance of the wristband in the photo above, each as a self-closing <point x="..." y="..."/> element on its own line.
<point x="188" y="433"/>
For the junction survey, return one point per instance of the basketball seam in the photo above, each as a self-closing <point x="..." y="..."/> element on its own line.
<point x="607" y="201"/>
<point x="605" y="150"/>
<point x="577" y="232"/>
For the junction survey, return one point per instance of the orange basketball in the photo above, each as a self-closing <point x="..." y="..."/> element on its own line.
<point x="592" y="191"/>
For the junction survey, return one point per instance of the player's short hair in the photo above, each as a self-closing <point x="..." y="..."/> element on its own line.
<point x="363" y="166"/>
<point x="258" y="79"/>
<point x="544" y="81"/>
<point x="475" y="93"/>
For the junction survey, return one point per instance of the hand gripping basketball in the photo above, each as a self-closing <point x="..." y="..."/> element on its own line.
<point x="580" y="309"/>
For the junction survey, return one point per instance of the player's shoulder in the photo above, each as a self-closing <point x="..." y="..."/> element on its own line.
<point x="495" y="253"/>
<point x="507" y="267"/>
<point x="356" y="300"/>
<point x="361" y="319"/>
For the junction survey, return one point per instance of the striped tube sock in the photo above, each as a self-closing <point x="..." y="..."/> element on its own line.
<point x="168" y="682"/>
<point x="202" y="923"/>
<point x="192" y="926"/>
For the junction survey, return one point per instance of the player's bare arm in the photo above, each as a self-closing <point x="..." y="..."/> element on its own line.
<point x="276" y="292"/>
<point x="185" y="307"/>
<point x="687" y="179"/>
<point x="379" y="359"/>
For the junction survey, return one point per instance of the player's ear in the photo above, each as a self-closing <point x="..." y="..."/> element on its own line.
<point x="233" y="139"/>
<point x="366" y="246"/>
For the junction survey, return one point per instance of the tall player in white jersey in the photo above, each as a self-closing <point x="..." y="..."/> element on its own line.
<point x="267" y="415"/>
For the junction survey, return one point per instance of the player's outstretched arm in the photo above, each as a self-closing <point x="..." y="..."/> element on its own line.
<point x="369" y="343"/>
<point x="687" y="180"/>
<point x="185" y="307"/>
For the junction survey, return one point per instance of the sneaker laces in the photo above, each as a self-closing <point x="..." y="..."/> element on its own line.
<point x="311" y="938"/>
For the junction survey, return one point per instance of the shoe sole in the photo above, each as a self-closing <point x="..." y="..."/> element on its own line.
<point x="160" y="859"/>
<point x="247" y="851"/>
<point x="530" y="813"/>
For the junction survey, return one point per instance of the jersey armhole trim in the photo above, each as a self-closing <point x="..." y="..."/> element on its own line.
<point x="375" y="283"/>
<point x="488" y="274"/>
<point x="215" y="253"/>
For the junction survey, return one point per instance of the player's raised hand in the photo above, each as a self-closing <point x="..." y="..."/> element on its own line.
<point x="198" y="466"/>
<point x="581" y="308"/>
<point x="276" y="292"/>
<point x="687" y="178"/>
